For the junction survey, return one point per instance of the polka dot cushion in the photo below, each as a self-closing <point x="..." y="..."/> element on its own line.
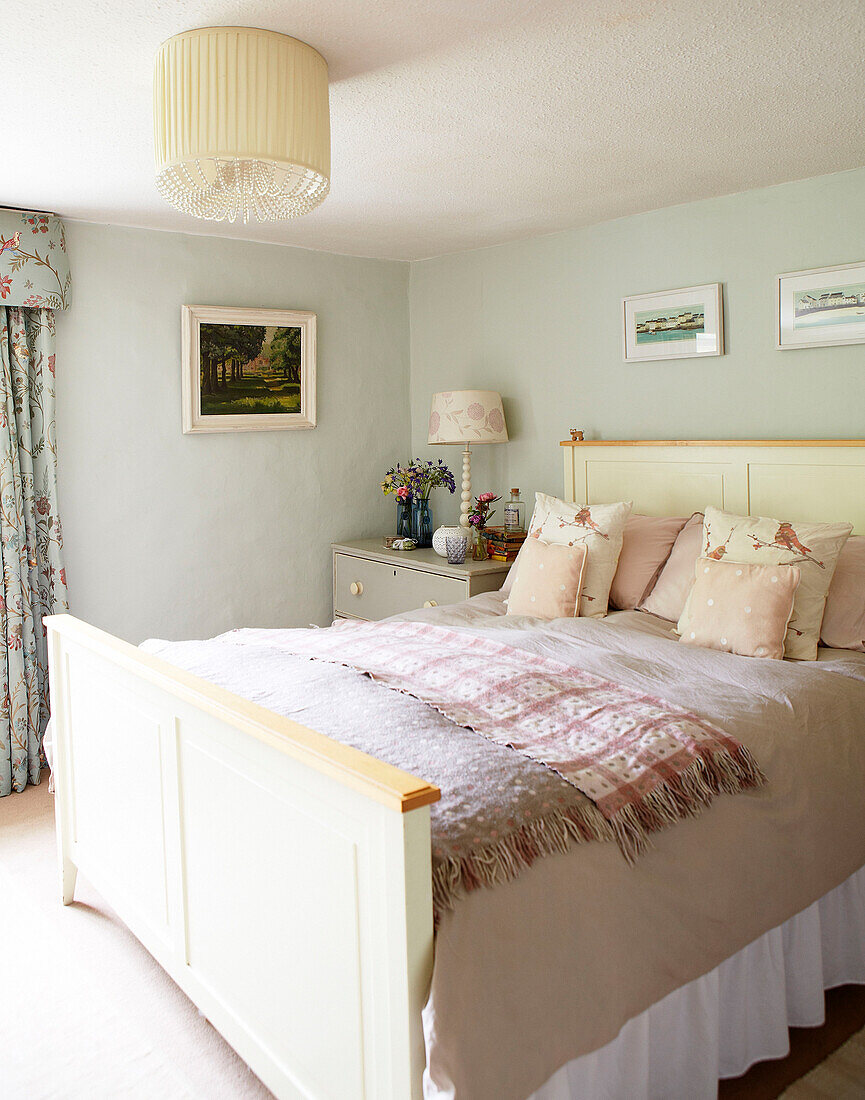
<point x="740" y="608"/>
<point x="548" y="579"/>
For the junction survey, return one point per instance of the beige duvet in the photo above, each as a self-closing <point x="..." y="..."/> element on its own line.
<point x="536" y="972"/>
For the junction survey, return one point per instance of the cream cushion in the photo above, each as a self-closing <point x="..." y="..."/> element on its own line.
<point x="547" y="580"/>
<point x="844" y="618"/>
<point x="598" y="527"/>
<point x="668" y="596"/>
<point x="740" y="608"/>
<point x="758" y="540"/>
<point x="646" y="545"/>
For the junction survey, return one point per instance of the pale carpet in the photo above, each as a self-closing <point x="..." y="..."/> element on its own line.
<point x="84" y="1009"/>
<point x="86" y="1012"/>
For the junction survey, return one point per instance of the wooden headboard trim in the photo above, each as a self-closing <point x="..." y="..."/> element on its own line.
<point x="712" y="443"/>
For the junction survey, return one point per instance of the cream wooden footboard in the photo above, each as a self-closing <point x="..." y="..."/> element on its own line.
<point x="281" y="879"/>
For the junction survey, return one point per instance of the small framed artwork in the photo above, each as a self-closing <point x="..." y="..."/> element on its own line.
<point x="674" y="324"/>
<point x="247" y="370"/>
<point x="820" y="308"/>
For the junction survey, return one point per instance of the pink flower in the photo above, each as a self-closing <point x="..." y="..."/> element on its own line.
<point x="402" y="492"/>
<point x="63" y="576"/>
<point x="496" y="421"/>
<point x="43" y="506"/>
<point x="434" y="420"/>
<point x="5" y="285"/>
<point x="476" y="410"/>
<point x="484" y="497"/>
<point x="51" y="363"/>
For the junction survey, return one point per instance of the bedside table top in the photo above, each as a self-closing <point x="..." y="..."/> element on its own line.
<point x="427" y="560"/>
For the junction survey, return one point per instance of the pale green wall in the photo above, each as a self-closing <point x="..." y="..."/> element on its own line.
<point x="187" y="535"/>
<point x="539" y="320"/>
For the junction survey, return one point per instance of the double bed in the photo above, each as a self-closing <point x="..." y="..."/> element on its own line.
<point x="283" y="875"/>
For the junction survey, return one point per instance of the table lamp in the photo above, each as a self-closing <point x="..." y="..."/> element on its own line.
<point x="467" y="416"/>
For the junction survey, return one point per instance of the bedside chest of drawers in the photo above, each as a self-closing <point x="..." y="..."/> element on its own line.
<point x="371" y="582"/>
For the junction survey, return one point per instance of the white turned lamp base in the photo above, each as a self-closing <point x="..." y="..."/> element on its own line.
<point x="466" y="505"/>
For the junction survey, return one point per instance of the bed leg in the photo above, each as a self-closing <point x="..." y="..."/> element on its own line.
<point x="68" y="878"/>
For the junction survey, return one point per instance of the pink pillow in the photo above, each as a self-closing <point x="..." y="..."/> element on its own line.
<point x="548" y="579"/>
<point x="844" y="618"/>
<point x="670" y="592"/>
<point x="646" y="545"/>
<point x="740" y="608"/>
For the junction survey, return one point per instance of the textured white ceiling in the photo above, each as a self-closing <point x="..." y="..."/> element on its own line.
<point x="455" y="124"/>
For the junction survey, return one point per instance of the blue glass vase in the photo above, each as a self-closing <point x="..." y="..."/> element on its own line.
<point x="421" y="522"/>
<point x="403" y="519"/>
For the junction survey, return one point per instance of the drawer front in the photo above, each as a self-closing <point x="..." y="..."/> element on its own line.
<point x="381" y="590"/>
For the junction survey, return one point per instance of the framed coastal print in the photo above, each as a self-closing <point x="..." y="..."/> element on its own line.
<point x="674" y="324"/>
<point x="821" y="307"/>
<point x="247" y="370"/>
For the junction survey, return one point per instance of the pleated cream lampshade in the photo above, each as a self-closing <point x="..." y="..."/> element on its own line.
<point x="241" y="124"/>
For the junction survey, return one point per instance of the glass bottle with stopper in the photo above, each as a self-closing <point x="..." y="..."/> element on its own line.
<point x="515" y="513"/>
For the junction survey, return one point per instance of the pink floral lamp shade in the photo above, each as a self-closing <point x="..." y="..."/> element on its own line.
<point x="467" y="416"/>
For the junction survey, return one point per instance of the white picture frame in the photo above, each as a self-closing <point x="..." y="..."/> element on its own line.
<point x="280" y="373"/>
<point x="648" y="333"/>
<point x="821" y="326"/>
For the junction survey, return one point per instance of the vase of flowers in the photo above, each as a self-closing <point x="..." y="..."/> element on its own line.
<point x="403" y="512"/>
<point x="396" y="481"/>
<point x="421" y="521"/>
<point x="481" y="514"/>
<point x="413" y="484"/>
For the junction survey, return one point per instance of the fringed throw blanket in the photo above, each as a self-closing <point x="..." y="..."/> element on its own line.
<point x="641" y="763"/>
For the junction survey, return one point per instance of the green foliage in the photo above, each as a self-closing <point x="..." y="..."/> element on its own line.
<point x="243" y="342"/>
<point x="285" y="352"/>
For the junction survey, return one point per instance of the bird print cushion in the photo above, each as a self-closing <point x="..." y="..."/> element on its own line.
<point x="598" y="527"/>
<point x="813" y="547"/>
<point x="740" y="608"/>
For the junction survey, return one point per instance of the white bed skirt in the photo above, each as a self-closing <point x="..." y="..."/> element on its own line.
<point x="738" y="1014"/>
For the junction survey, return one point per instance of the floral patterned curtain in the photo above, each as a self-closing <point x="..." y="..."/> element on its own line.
<point x="33" y="579"/>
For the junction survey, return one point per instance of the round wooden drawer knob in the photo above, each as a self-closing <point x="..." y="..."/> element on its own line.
<point x="430" y="603"/>
<point x="356" y="588"/>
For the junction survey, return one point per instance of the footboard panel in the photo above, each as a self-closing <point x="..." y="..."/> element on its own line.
<point x="283" y="880"/>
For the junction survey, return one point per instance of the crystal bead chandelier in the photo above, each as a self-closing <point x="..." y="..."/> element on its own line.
<point x="241" y="124"/>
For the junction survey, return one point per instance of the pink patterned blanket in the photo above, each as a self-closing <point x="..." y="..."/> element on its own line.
<point x="640" y="762"/>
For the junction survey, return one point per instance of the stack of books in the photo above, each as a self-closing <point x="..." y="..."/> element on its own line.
<point x="503" y="545"/>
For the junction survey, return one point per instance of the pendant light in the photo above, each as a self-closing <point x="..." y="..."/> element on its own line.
<point x="241" y="124"/>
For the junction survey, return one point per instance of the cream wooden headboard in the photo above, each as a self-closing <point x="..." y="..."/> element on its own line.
<point x="802" y="479"/>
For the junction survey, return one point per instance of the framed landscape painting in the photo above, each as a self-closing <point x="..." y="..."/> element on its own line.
<point x="674" y="324"/>
<point x="821" y="308"/>
<point x="247" y="370"/>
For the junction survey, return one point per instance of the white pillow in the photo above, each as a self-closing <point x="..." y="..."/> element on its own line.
<point x="598" y="527"/>
<point x="757" y="540"/>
